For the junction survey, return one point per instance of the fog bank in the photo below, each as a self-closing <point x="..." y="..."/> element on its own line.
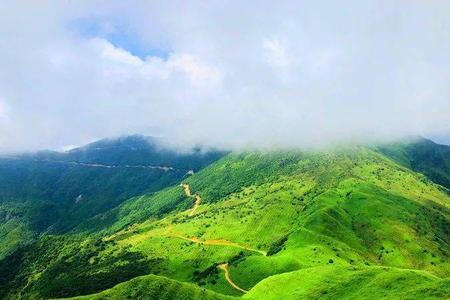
<point x="231" y="75"/>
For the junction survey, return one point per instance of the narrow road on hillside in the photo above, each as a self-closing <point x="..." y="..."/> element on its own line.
<point x="98" y="165"/>
<point x="217" y="243"/>
<point x="187" y="189"/>
<point x="198" y="199"/>
<point x="224" y="267"/>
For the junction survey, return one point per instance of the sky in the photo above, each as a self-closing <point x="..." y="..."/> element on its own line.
<point x="226" y="74"/>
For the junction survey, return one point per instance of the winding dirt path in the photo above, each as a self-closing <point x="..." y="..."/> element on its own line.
<point x="224" y="267"/>
<point x="198" y="199"/>
<point x="187" y="189"/>
<point x="216" y="243"/>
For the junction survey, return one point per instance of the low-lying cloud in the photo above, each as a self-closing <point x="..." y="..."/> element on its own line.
<point x="223" y="74"/>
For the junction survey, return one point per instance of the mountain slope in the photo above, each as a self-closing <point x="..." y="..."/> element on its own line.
<point x="133" y="150"/>
<point x="55" y="192"/>
<point x="352" y="283"/>
<point x="155" y="287"/>
<point x="261" y="214"/>
<point x="339" y="216"/>
<point x="336" y="219"/>
<point x="423" y="156"/>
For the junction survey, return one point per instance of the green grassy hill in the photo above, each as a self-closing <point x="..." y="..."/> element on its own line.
<point x="57" y="191"/>
<point x="352" y="283"/>
<point x="424" y="156"/>
<point x="348" y="223"/>
<point x="155" y="287"/>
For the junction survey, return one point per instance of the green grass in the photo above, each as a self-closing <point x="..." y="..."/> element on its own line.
<point x="330" y="222"/>
<point x="352" y="283"/>
<point x="155" y="287"/>
<point x="424" y="156"/>
<point x="365" y="211"/>
<point x="137" y="210"/>
<point x="13" y="234"/>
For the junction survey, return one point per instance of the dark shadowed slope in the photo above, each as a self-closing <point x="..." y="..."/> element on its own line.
<point x="423" y="156"/>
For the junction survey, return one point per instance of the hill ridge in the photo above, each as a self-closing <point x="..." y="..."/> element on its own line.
<point x="352" y="215"/>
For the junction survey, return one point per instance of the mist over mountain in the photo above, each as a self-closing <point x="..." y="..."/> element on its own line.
<point x="227" y="75"/>
<point x="128" y="218"/>
<point x="218" y="150"/>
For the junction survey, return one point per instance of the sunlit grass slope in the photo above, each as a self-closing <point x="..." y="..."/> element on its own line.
<point x="352" y="283"/>
<point x="342" y="208"/>
<point x="155" y="287"/>
<point x="279" y="220"/>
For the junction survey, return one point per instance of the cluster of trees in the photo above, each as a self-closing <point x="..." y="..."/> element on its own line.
<point x="69" y="266"/>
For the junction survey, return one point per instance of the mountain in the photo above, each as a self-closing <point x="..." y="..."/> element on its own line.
<point x="423" y="156"/>
<point x="345" y="223"/>
<point x="56" y="191"/>
<point x="134" y="150"/>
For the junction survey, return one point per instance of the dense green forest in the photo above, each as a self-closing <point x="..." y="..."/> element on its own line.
<point x="356" y="222"/>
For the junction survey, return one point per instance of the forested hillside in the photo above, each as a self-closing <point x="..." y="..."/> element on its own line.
<point x="345" y="223"/>
<point x="424" y="156"/>
<point x="56" y="191"/>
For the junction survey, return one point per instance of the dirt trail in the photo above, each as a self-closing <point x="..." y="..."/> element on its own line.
<point x="187" y="189"/>
<point x="217" y="243"/>
<point x="224" y="267"/>
<point x="198" y="199"/>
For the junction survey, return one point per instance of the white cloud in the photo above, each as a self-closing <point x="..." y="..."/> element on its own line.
<point x="114" y="54"/>
<point x="198" y="74"/>
<point x="276" y="52"/>
<point x="235" y="74"/>
<point x="4" y="110"/>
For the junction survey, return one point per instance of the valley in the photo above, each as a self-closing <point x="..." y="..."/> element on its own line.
<point x="224" y="150"/>
<point x="256" y="225"/>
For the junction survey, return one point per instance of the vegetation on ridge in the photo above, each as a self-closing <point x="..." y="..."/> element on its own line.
<point x="338" y="224"/>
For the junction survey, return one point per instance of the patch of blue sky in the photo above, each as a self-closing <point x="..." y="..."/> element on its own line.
<point x="118" y="35"/>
